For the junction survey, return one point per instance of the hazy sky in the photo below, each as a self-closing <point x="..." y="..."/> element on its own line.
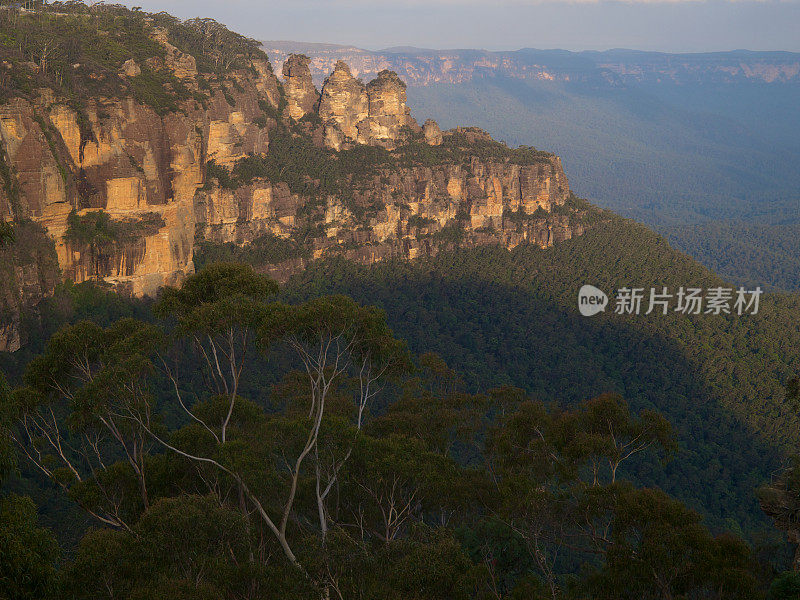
<point x="675" y="26"/>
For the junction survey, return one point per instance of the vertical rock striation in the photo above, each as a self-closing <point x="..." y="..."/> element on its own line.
<point x="167" y="179"/>
<point x="375" y="114"/>
<point x="343" y="106"/>
<point x="301" y="95"/>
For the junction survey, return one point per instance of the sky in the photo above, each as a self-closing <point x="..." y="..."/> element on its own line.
<point x="669" y="26"/>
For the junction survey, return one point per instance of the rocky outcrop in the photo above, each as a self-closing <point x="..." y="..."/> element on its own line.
<point x="388" y="113"/>
<point x="120" y="156"/>
<point x="28" y="273"/>
<point x="343" y="106"/>
<point x="399" y="211"/>
<point x="352" y="113"/>
<point x="182" y="65"/>
<point x="151" y="173"/>
<point x="433" y="135"/>
<point x="301" y="95"/>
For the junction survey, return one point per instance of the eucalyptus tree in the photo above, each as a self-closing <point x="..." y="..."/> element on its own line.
<point x="73" y="415"/>
<point x="340" y="347"/>
<point x="220" y="310"/>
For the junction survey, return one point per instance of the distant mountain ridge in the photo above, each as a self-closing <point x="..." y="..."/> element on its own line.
<point x="422" y="66"/>
<point x="671" y="140"/>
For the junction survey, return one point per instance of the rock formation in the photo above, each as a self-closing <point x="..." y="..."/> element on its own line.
<point x="388" y="113"/>
<point x="352" y="113"/>
<point x="433" y="135"/>
<point x="121" y="157"/>
<point x="301" y="95"/>
<point x="165" y="179"/>
<point x="403" y="211"/>
<point x="343" y="106"/>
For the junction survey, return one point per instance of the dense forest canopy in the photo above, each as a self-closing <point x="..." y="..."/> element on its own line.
<point x="448" y="427"/>
<point x="362" y="471"/>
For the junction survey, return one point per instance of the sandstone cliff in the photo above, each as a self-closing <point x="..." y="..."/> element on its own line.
<point x="133" y="155"/>
<point x="175" y="149"/>
<point x="411" y="202"/>
<point x="301" y="94"/>
<point x="374" y="114"/>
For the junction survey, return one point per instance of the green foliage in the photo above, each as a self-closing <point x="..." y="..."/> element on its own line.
<point x="6" y="233"/>
<point x="307" y="169"/>
<point x="266" y="249"/>
<point x="187" y="546"/>
<point x="221" y="174"/>
<point x="221" y="282"/>
<point x="98" y="233"/>
<point x="460" y="146"/>
<point x="420" y="221"/>
<point x="785" y="587"/>
<point x="158" y="89"/>
<point x="354" y="473"/>
<point x="92" y="229"/>
<point x="745" y="253"/>
<point x="717" y="379"/>
<point x="78" y="51"/>
<point x="7" y="456"/>
<point x="29" y="553"/>
<point x="659" y="549"/>
<point x="216" y="49"/>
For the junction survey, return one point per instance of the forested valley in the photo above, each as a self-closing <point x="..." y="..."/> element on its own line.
<point x="418" y="410"/>
<point x="477" y="439"/>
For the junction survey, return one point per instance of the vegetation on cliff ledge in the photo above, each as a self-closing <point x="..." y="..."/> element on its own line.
<point x="98" y="234"/>
<point x="80" y="51"/>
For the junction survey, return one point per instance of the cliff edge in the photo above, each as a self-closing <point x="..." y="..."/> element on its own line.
<point x="183" y="138"/>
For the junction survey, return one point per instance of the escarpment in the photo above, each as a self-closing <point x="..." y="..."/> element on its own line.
<point x="185" y="146"/>
<point x="411" y="202"/>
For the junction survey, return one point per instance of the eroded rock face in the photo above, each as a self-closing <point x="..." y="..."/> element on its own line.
<point x="375" y="114"/>
<point x="408" y="213"/>
<point x="122" y="157"/>
<point x="28" y="272"/>
<point x="388" y="113"/>
<point x="130" y="68"/>
<point x="183" y="65"/>
<point x="301" y="95"/>
<point x="433" y="135"/>
<point x="150" y="172"/>
<point x="247" y="212"/>
<point x="343" y="106"/>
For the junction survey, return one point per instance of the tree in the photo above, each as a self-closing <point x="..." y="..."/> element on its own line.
<point x="6" y="234"/>
<point x="556" y="473"/>
<point x="220" y="310"/>
<point x="96" y="230"/>
<point x="28" y="553"/>
<point x="659" y="549"/>
<point x="336" y="342"/>
<point x="780" y="499"/>
<point x="85" y="401"/>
